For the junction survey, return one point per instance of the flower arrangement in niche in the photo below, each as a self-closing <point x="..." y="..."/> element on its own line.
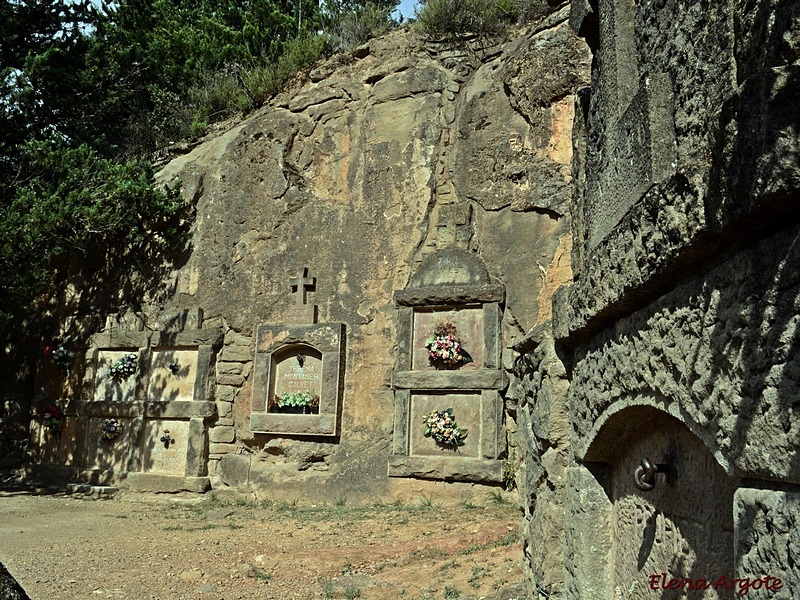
<point x="297" y="400"/>
<point x="59" y="355"/>
<point x="111" y="429"/>
<point x="53" y="418"/>
<point x="124" y="367"/>
<point x="167" y="439"/>
<point x="445" y="348"/>
<point x="442" y="427"/>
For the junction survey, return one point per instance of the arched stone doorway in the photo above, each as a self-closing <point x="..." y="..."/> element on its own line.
<point x="682" y="529"/>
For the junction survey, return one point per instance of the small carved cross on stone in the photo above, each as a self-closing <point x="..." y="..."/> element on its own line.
<point x="299" y="312"/>
<point x="301" y="284"/>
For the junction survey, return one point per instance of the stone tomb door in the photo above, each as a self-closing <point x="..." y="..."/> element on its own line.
<point x="298" y="359"/>
<point x="683" y="527"/>
<point x="298" y="370"/>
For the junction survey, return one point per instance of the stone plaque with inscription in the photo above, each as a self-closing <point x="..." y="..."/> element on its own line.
<point x="292" y="359"/>
<point x="299" y="356"/>
<point x="298" y="370"/>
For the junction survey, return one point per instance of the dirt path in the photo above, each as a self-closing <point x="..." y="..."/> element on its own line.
<point x="171" y="548"/>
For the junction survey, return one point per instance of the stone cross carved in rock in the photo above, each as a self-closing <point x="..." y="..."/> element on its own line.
<point x="301" y="284"/>
<point x="299" y="312"/>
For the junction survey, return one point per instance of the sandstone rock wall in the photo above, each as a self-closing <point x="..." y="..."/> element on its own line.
<point x="378" y="160"/>
<point x="677" y="334"/>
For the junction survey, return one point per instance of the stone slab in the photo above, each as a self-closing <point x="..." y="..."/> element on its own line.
<point x="449" y="294"/>
<point x="115" y="389"/>
<point x="280" y="350"/>
<point x="450" y="380"/>
<point x="180" y="409"/>
<point x="587" y="539"/>
<point x="447" y="469"/>
<point x="297" y="424"/>
<point x="116" y="454"/>
<point x="165" y="385"/>
<point x="151" y="482"/>
<point x="55" y="448"/>
<point x="468" y="321"/>
<point x="159" y="458"/>
<point x="467" y="412"/>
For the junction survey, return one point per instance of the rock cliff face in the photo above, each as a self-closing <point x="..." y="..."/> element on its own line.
<point x="335" y="193"/>
<point x="382" y="159"/>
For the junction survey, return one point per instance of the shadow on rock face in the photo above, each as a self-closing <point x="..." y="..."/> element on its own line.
<point x="9" y="588"/>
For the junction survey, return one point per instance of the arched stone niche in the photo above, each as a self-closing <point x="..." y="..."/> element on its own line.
<point x="298" y="369"/>
<point x="298" y="358"/>
<point x="623" y="538"/>
<point x="452" y="287"/>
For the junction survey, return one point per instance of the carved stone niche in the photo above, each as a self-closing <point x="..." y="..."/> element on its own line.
<point x="452" y="288"/>
<point x="295" y="359"/>
<point x="170" y="390"/>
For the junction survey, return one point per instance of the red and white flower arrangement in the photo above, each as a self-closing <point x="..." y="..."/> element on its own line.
<point x="442" y="427"/>
<point x="59" y="355"/>
<point x="445" y="347"/>
<point x="52" y="418"/>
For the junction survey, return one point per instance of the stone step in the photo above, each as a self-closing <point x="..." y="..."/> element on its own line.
<point x="96" y="491"/>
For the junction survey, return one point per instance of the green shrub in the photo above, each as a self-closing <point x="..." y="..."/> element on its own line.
<point x="454" y="20"/>
<point x="76" y="206"/>
<point x="356" y="27"/>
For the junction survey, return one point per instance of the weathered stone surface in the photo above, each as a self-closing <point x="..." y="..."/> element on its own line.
<point x="588" y="539"/>
<point x="539" y="390"/>
<point x="450" y="380"/>
<point x="234" y="469"/>
<point x="408" y="83"/>
<point x="768" y="538"/>
<point x="226" y="368"/>
<point x="360" y="175"/>
<point x="682" y="303"/>
<point x="226" y="393"/>
<point x="221" y="435"/>
<point x="235" y="353"/>
<point x="725" y="143"/>
<point x="716" y="352"/>
<point x="517" y="154"/>
<point x="232" y="380"/>
<point x="10" y="589"/>
<point x="224" y="409"/>
<point x="452" y="469"/>
<point x="197" y="449"/>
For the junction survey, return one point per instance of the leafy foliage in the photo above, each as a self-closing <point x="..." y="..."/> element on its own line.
<point x="455" y="20"/>
<point x="70" y="203"/>
<point x="356" y="24"/>
<point x="91" y="91"/>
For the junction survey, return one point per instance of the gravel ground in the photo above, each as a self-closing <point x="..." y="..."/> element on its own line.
<point x="189" y="547"/>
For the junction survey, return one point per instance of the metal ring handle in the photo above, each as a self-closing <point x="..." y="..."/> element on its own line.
<point x="644" y="478"/>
